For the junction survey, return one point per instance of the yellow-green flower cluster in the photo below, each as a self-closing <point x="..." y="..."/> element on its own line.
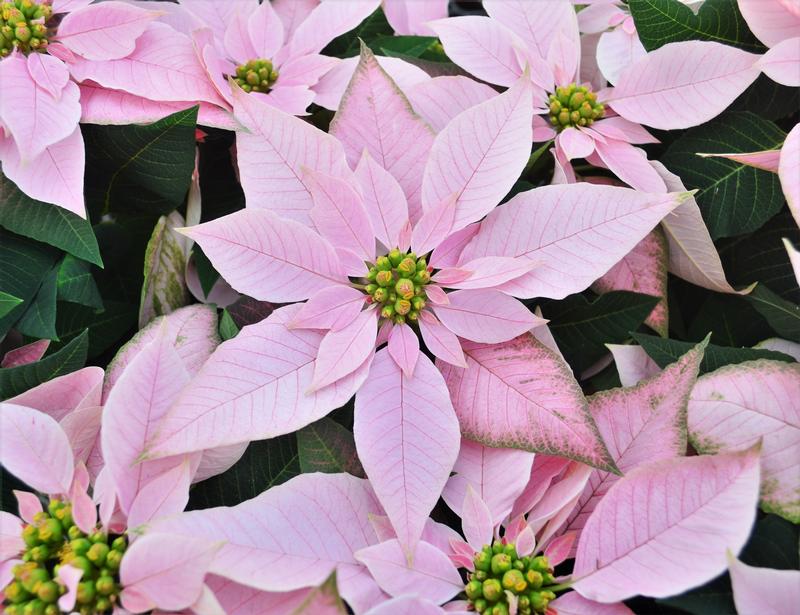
<point x="498" y="570"/>
<point x="22" y="26"/>
<point x="51" y="541"/>
<point x="574" y="105"/>
<point x="256" y="76"/>
<point x="397" y="283"/>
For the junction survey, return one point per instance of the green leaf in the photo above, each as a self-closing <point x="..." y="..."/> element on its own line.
<point x="713" y="598"/>
<point x="16" y="380"/>
<point x="23" y="265"/>
<point x="140" y="167"/>
<point x="47" y="223"/>
<point x="666" y="351"/>
<point x="733" y="198"/>
<point x="408" y="46"/>
<point x="8" y="303"/>
<point x="39" y="320"/>
<point x="347" y="45"/>
<point x="769" y="99"/>
<point x="205" y="270"/>
<point x="326" y="446"/>
<point x="105" y="328"/>
<point x="582" y="328"/>
<point x="659" y="22"/>
<point x="76" y="284"/>
<point x="730" y="319"/>
<point x="164" y="289"/>
<point x="227" y="328"/>
<point x="783" y="316"/>
<point x="265" y="463"/>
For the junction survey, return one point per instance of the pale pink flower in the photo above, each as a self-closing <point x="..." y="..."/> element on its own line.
<point x="776" y="23"/>
<point x="410" y="16"/>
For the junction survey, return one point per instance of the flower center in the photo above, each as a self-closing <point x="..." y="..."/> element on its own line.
<point x="397" y="282"/>
<point x="22" y="26"/>
<point x="574" y="105"/>
<point x="51" y="541"/>
<point x="256" y="76"/>
<point x="498" y="569"/>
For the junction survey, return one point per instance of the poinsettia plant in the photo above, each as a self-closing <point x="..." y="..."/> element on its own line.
<point x="389" y="306"/>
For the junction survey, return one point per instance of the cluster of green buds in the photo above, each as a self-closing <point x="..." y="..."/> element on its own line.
<point x="51" y="541"/>
<point x="397" y="283"/>
<point x="574" y="105"/>
<point x="22" y="26"/>
<point x="499" y="571"/>
<point x="256" y="76"/>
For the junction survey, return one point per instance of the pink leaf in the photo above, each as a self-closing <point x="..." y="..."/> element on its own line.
<point x="545" y="469"/>
<point x="69" y="576"/>
<point x="616" y="127"/>
<point x="491" y="271"/>
<point x="486" y="316"/>
<point x="396" y="419"/>
<point x="559" y="549"/>
<point x="164" y="495"/>
<point x="575" y="604"/>
<point x="564" y="53"/>
<point x="342" y="352"/>
<point x="434" y="225"/>
<point x="560" y="498"/>
<point x="307" y="528"/>
<point x="630" y="164"/>
<point x="771" y="22"/>
<point x="267" y="366"/>
<point x="701" y="505"/>
<point x="306" y="70"/>
<point x="240" y="600"/>
<point x="11" y="544"/>
<point x="476" y="520"/>
<point x="29" y="353"/>
<point x="498" y="475"/>
<point x="268" y="257"/>
<point x="442" y="342"/>
<point x="383" y="199"/>
<point x="404" y="348"/>
<point x="736" y="406"/>
<point x="238" y="45"/>
<point x="633" y="363"/>
<point x="49" y="73"/>
<point x="406" y="605"/>
<point x="642" y="270"/>
<point x="375" y="115"/>
<point x="62" y="395"/>
<point x="28" y="504"/>
<point x="106" y="31"/>
<point x="766" y="591"/>
<point x="339" y="215"/>
<point x="440" y="99"/>
<point x="556" y="226"/>
<point x="327" y="21"/>
<point x="265" y="31"/>
<point x="683" y="84"/>
<point x="766" y="160"/>
<point x="616" y="50"/>
<point x="448" y="252"/>
<point x="575" y="143"/>
<point x="789" y="172"/>
<point x="138" y="402"/>
<point x="411" y="17"/>
<point x="480" y="154"/>
<point x="35" y="449"/>
<point x="436" y="295"/>
<point x="430" y="574"/>
<point x="166" y="571"/>
<point x="334" y="307"/>
<point x="499" y="402"/>
<point x="781" y="62"/>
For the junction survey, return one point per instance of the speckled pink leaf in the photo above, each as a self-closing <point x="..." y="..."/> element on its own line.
<point x="683" y="84"/>
<point x="643" y="270"/>
<point x="545" y="469"/>
<point x="397" y="417"/>
<point x="630" y="164"/>
<point x="771" y="21"/>
<point x="789" y="171"/>
<point x="375" y="115"/>
<point x="765" y="591"/>
<point x="268" y="257"/>
<point x="520" y="394"/>
<point x="492" y="271"/>
<point x="738" y="405"/>
<point x="480" y="154"/>
<point x="383" y="199"/>
<point x="700" y="506"/>
<point x="411" y="17"/>
<point x="440" y="99"/>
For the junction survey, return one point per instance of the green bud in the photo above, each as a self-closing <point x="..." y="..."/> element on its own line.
<point x="481" y="575"/>
<point x="381" y="295"/>
<point x="15" y="593"/>
<point x="51" y="609"/>
<point x="480" y="605"/>
<point x="81" y="563"/>
<point x="86" y="592"/>
<point x="422" y="277"/>
<point x="404" y="288"/>
<point x="371" y="288"/>
<point x="492" y="590"/>
<point x="23" y="33"/>
<point x="30" y="535"/>
<point x="540" y="563"/>
<point x="576" y="100"/>
<point x="514" y="581"/>
<point x="105" y="585"/>
<point x="48" y="591"/>
<point x="40" y="553"/>
<point x="64" y="515"/>
<point x="387" y="312"/>
<point x="74" y="533"/>
<point x="402" y="306"/>
<point x="412" y="316"/>
<point x="50" y="531"/>
<point x="383" y="264"/>
<point x="114" y="559"/>
<point x="99" y="537"/>
<point x="418" y="303"/>
<point x="54" y="505"/>
<point x="34" y="607"/>
<point x="563" y="118"/>
<point x="555" y="108"/>
<point x="497" y="547"/>
<point x="32" y="577"/>
<point x="371" y="274"/>
<point x="500" y="563"/>
<point x="474" y="589"/>
<point x="384" y="278"/>
<point x="97" y="554"/>
<point x="534" y="578"/>
<point x="102" y="604"/>
<point x="407" y="267"/>
<point x="499" y="609"/>
<point x="422" y="264"/>
<point x="396" y="257"/>
<point x="80" y="546"/>
<point x="510" y="550"/>
<point x="399" y="319"/>
<point x="539" y="602"/>
<point x="120" y="543"/>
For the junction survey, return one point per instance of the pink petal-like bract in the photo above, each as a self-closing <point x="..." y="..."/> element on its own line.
<point x="486" y="316"/>
<point x="772" y="21"/>
<point x="683" y="84"/>
<point x="305" y="528"/>
<point x="557" y="226"/>
<point x="374" y="115"/>
<point x="28" y="504"/>
<point x="765" y="591"/>
<point x="699" y="505"/>
<point x="476" y="520"/>
<point x="782" y="62"/>
<point x="106" y="31"/>
<point x="406" y="605"/>
<point x="268" y="257"/>
<point x="342" y="352"/>
<point x="404" y="348"/>
<point x="498" y="475"/>
<point x="443" y="343"/>
<point x="164" y="495"/>
<point x="766" y="160"/>
<point x="396" y="419"/>
<point x="383" y="199"/>
<point x="267" y="366"/>
<point x="272" y="153"/>
<point x="327" y="21"/>
<point x="630" y="164"/>
<point x="520" y="394"/>
<point x="35" y="449"/>
<point x="480" y="154"/>
<point x="738" y="405"/>
<point x="333" y="307"/>
<point x="430" y="574"/>
<point x="440" y="99"/>
<point x="575" y="604"/>
<point x="29" y="353"/>
<point x="789" y="171"/>
<point x="633" y="363"/>
<point x="165" y="570"/>
<point x="64" y="394"/>
<point x="69" y="576"/>
<point x="434" y="225"/>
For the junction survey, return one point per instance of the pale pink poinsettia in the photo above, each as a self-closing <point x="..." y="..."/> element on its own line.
<point x="776" y="23"/>
<point x="57" y="46"/>
<point x="410" y="16"/>
<point x="545" y="38"/>
<point x="763" y="590"/>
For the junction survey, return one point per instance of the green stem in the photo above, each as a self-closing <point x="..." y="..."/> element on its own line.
<point x="559" y="587"/>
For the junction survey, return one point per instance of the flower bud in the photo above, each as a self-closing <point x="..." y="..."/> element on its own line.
<point x="97" y="554"/>
<point x="534" y="578"/>
<point x="404" y="288"/>
<point x="34" y="607"/>
<point x="500" y="563"/>
<point x="412" y="316"/>
<point x="381" y="295"/>
<point x="114" y="559"/>
<point x="384" y="278"/>
<point x="395" y="257"/>
<point x="371" y="288"/>
<point x="540" y="563"/>
<point x="418" y="303"/>
<point x="510" y="550"/>
<point x="23" y="33"/>
<point x="422" y="277"/>
<point x="474" y="589"/>
<point x="105" y="585"/>
<point x="80" y="546"/>
<point x="399" y="319"/>
<point x="371" y="274"/>
<point x="383" y="264"/>
<point x="40" y="553"/>
<point x="120" y="543"/>
<point x="480" y="575"/>
<point x="480" y="605"/>
<point x="492" y="590"/>
<point x="15" y="593"/>
<point x="498" y="609"/>
<point x="48" y="591"/>
<point x="387" y="312"/>
<point x="513" y="580"/>
<point x="98" y="537"/>
<point x="402" y="306"/>
<point x="102" y="604"/>
<point x="30" y="535"/>
<point x="407" y="267"/>
<point x="74" y="532"/>
<point x="50" y="531"/>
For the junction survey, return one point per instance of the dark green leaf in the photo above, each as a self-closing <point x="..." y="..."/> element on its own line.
<point x="666" y="351"/>
<point x="76" y="284"/>
<point x="733" y="198"/>
<point x="47" y="223"/>
<point x="265" y="463"/>
<point x="205" y="270"/>
<point x="783" y="316"/>
<point x="8" y="484"/>
<point x="16" y="380"/>
<point x="105" y="328"/>
<point x="227" y="328"/>
<point x="326" y="446"/>
<point x="8" y="303"/>
<point x="730" y="319"/>
<point x="140" y="167"/>
<point x="39" y="320"/>
<point x="408" y="46"/>
<point x="347" y="45"/>
<point x="713" y="598"/>
<point x="659" y="22"/>
<point x="582" y="329"/>
<point x="221" y="191"/>
<point x="769" y="99"/>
